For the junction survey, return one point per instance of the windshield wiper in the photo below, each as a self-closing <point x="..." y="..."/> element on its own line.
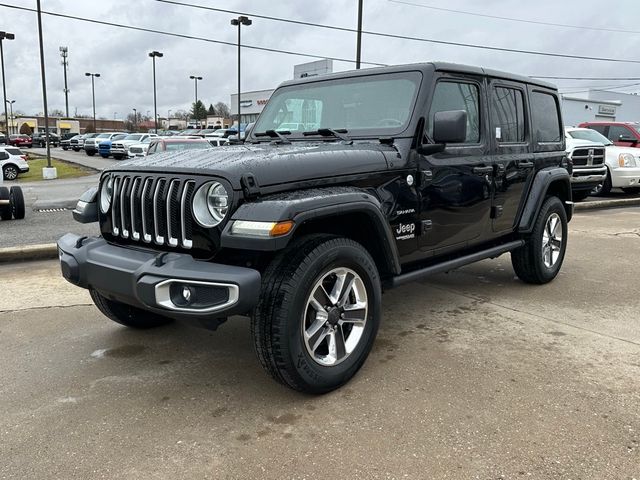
<point x="326" y="132"/>
<point x="275" y="134"/>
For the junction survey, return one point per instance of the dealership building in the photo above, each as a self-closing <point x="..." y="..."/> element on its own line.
<point x="600" y="106"/>
<point x="252" y="103"/>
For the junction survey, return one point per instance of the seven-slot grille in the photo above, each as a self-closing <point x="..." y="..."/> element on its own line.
<point x="153" y="209"/>
<point x="588" y="156"/>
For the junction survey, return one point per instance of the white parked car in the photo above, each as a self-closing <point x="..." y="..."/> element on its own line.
<point x="120" y="148"/>
<point x="140" y="149"/>
<point x="216" y="140"/>
<point x="12" y="162"/>
<point x="623" y="163"/>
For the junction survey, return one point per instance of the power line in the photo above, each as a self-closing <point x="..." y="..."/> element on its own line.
<point x="512" y="19"/>
<point x="402" y="37"/>
<point x="185" y="36"/>
<point x="585" y="78"/>
<point x="604" y="88"/>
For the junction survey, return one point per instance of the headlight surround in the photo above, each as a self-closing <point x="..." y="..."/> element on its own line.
<point x="210" y="204"/>
<point x="106" y="193"/>
<point x="626" y="160"/>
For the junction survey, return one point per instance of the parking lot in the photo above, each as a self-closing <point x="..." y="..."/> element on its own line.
<point x="473" y="375"/>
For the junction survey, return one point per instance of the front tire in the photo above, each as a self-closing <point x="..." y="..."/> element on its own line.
<point x="16" y="202"/>
<point x="318" y="314"/>
<point x="126" y="315"/>
<point x="603" y="188"/>
<point x="631" y="190"/>
<point x="580" y="195"/>
<point x="91" y="154"/>
<point x="539" y="260"/>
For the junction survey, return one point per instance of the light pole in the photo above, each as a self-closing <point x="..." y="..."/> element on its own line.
<point x="10" y="102"/>
<point x="135" y="120"/>
<point x="93" y="95"/>
<point x="5" y="36"/>
<point x="359" y="37"/>
<point x="153" y="56"/>
<point x="64" y="52"/>
<point x="241" y="20"/>
<point x="195" y="105"/>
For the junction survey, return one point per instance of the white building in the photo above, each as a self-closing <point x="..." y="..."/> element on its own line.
<point x="600" y="105"/>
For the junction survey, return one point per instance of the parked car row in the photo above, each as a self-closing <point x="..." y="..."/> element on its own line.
<point x="605" y="155"/>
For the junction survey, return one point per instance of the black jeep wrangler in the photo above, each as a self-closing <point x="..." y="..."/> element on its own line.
<point x="348" y="184"/>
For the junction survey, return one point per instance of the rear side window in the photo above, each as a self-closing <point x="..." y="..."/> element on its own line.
<point x="13" y="151"/>
<point x="597" y="128"/>
<point x="545" y="118"/>
<point x="457" y="96"/>
<point x="507" y="115"/>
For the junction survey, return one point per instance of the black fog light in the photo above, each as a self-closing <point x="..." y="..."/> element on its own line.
<point x="182" y="295"/>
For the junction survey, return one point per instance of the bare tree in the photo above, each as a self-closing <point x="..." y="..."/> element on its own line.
<point x="223" y="109"/>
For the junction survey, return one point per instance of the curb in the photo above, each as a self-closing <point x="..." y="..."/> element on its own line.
<point x="28" y="252"/>
<point x="66" y="204"/>
<point x="612" y="203"/>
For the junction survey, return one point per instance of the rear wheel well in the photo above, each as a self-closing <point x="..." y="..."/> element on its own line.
<point x="359" y="227"/>
<point x="562" y="190"/>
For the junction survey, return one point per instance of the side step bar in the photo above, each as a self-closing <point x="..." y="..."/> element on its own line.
<point x="453" y="264"/>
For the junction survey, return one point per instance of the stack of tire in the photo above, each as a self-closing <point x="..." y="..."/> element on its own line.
<point x="11" y="203"/>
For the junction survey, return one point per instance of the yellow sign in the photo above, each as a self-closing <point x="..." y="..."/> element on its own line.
<point x="64" y="125"/>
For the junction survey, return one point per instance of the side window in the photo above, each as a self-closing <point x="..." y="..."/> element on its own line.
<point x="507" y="115"/>
<point x="616" y="131"/>
<point x="4" y="156"/>
<point x="457" y="96"/>
<point x="152" y="148"/>
<point x="597" y="128"/>
<point x="545" y="118"/>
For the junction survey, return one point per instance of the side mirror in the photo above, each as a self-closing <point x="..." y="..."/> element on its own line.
<point x="450" y="126"/>
<point x="627" y="138"/>
<point x="86" y="210"/>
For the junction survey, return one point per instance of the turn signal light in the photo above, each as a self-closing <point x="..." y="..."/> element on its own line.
<point x="281" y="228"/>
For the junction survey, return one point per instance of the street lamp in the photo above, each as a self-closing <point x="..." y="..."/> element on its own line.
<point x="241" y="20"/>
<point x="64" y="53"/>
<point x="93" y="95"/>
<point x="5" y="36"/>
<point x="10" y="102"/>
<point x="195" y="105"/>
<point x="153" y="56"/>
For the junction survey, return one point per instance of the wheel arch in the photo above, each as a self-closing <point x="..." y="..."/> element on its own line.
<point x="552" y="181"/>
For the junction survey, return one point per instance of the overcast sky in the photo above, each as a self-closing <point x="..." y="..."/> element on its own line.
<point x="120" y="55"/>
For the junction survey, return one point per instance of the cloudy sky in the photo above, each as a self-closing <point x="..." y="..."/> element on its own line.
<point x="120" y="55"/>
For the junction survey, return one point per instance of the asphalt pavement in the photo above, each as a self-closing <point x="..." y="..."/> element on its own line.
<point x="474" y="375"/>
<point x="81" y="158"/>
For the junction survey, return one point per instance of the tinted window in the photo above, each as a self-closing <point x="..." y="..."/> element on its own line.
<point x="457" y="96"/>
<point x="597" y="128"/>
<point x="545" y="118"/>
<point x="4" y="156"/>
<point x="507" y="115"/>
<point x="13" y="151"/>
<point x="616" y="131"/>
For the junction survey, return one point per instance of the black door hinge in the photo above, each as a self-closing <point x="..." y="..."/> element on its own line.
<point x="250" y="186"/>
<point x="426" y="226"/>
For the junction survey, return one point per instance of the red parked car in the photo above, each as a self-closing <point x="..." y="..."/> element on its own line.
<point x="177" y="143"/>
<point x="624" y="134"/>
<point x="20" y="141"/>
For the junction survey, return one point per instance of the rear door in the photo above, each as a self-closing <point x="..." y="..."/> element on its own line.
<point x="456" y="184"/>
<point x="513" y="161"/>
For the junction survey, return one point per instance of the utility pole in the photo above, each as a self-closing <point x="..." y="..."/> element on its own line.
<point x="195" y="105"/>
<point x="49" y="173"/>
<point x="5" y="36"/>
<point x="93" y="96"/>
<point x="64" y="52"/>
<point x="359" y="37"/>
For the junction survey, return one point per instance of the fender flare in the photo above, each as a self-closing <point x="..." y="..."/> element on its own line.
<point x="539" y="188"/>
<point x="306" y="206"/>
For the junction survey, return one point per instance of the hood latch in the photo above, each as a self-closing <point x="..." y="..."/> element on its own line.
<point x="250" y="186"/>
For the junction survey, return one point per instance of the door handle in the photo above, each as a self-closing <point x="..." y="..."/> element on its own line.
<point x="482" y="170"/>
<point x="525" y="164"/>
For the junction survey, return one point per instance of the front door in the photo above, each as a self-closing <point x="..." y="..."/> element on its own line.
<point x="513" y="159"/>
<point x="456" y="184"/>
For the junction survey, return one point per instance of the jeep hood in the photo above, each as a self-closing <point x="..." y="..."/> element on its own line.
<point x="270" y="164"/>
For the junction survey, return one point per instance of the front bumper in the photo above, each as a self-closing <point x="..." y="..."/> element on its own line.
<point x="149" y="280"/>
<point x="625" y="177"/>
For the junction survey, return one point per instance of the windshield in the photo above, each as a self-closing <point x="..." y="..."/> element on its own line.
<point x="133" y="137"/>
<point x="590" y="135"/>
<point x="187" y="145"/>
<point x="104" y="135"/>
<point x="380" y="104"/>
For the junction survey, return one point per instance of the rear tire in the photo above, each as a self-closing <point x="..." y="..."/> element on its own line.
<point x="126" y="315"/>
<point x="16" y="199"/>
<point x="539" y="260"/>
<point x="305" y="336"/>
<point x="10" y="172"/>
<point x="5" y="210"/>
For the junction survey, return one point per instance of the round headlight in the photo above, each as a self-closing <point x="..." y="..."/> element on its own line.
<point x="106" y="192"/>
<point x="210" y="204"/>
